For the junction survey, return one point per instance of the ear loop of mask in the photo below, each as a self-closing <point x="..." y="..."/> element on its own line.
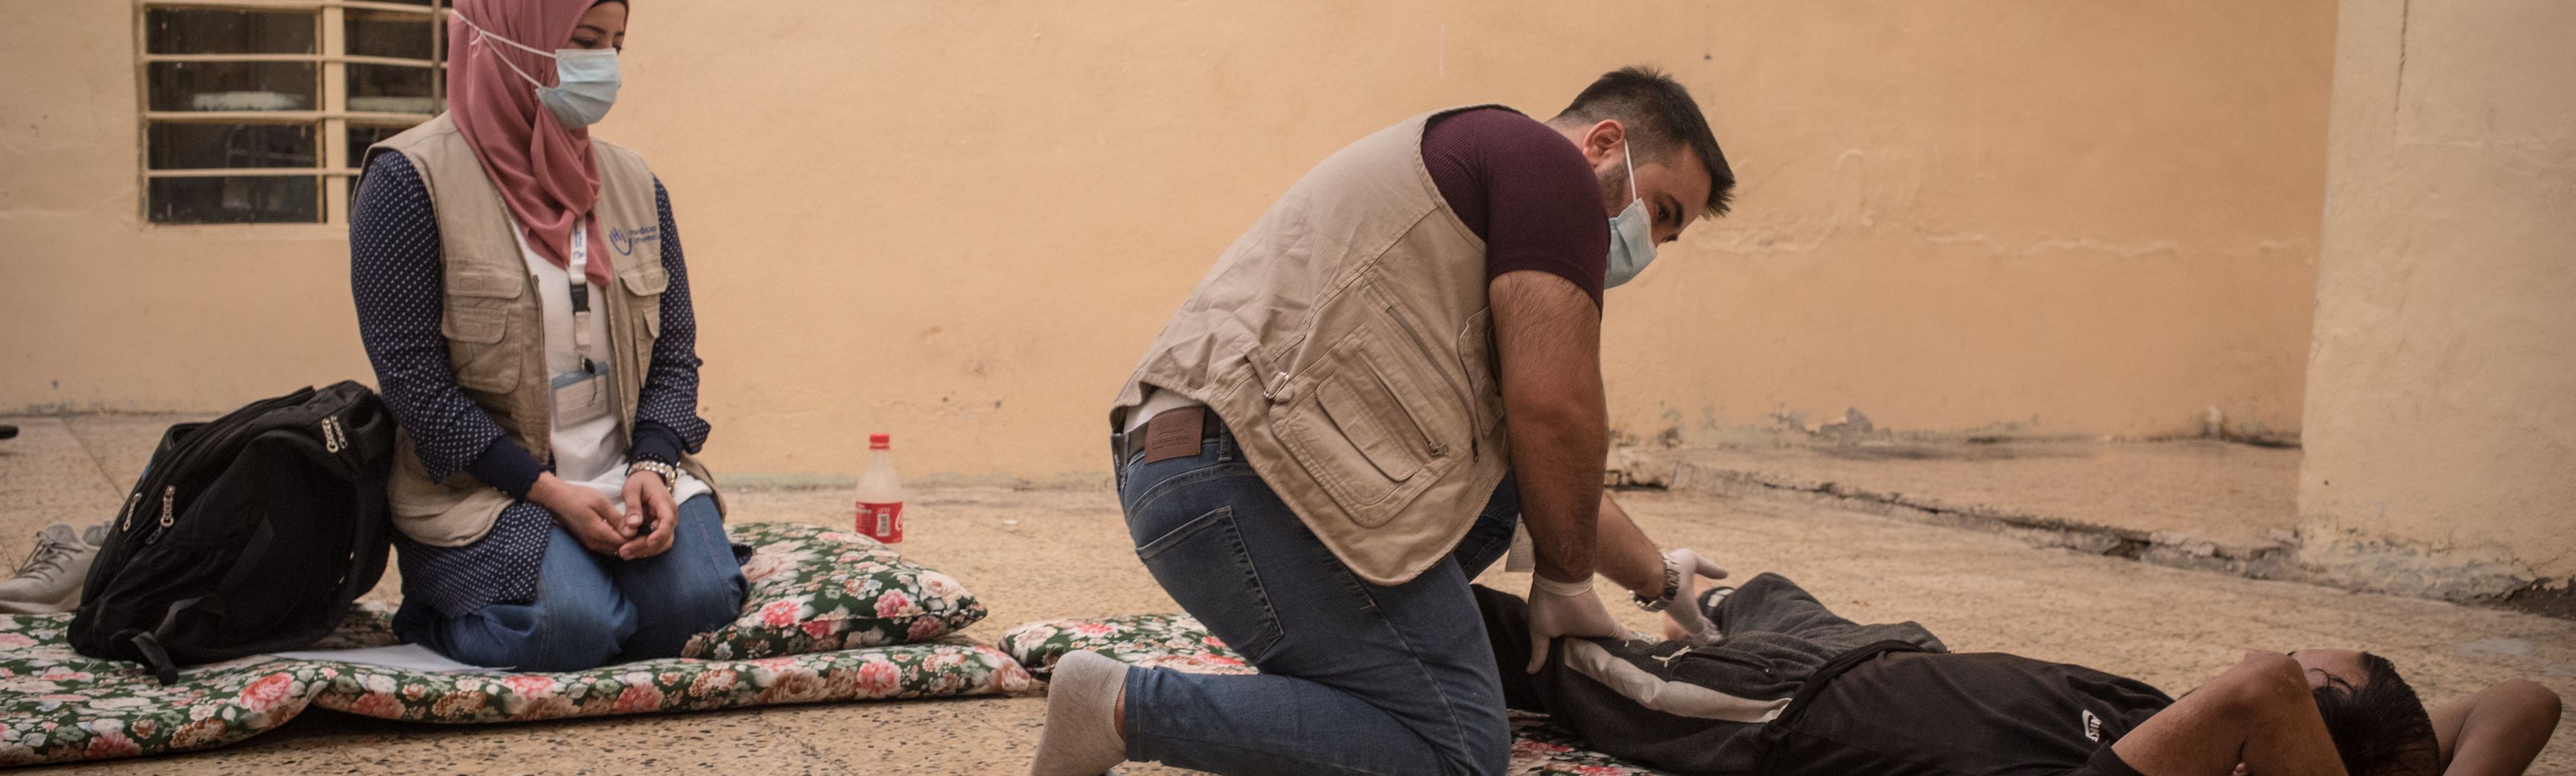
<point x="1631" y="160"/>
<point x="481" y="35"/>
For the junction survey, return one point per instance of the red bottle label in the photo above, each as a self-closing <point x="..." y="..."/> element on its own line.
<point x="882" y="522"/>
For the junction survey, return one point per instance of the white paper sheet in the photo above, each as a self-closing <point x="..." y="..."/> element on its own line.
<point x="407" y="657"/>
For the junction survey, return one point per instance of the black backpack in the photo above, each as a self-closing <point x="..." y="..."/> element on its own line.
<point x="249" y="534"/>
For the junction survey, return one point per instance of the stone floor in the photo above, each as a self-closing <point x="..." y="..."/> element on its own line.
<point x="1054" y="553"/>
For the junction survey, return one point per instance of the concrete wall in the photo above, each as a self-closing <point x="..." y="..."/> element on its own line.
<point x="961" y="222"/>
<point x="2441" y="415"/>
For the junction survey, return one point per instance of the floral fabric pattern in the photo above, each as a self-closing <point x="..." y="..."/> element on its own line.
<point x="59" y="706"/>
<point x="815" y="589"/>
<point x="831" y="616"/>
<point x="1180" y="643"/>
<point x="1174" y="641"/>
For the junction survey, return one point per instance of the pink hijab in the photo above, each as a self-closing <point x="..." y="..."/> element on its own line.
<point x="545" y="171"/>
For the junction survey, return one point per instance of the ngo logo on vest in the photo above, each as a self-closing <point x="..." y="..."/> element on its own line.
<point x="626" y="238"/>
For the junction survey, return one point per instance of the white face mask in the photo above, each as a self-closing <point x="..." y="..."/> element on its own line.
<point x="585" y="79"/>
<point x="1632" y="235"/>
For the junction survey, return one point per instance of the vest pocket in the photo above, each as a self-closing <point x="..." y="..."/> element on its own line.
<point x="481" y="294"/>
<point x="644" y="289"/>
<point x="1395" y="453"/>
<point x="475" y="349"/>
<point x="1367" y="433"/>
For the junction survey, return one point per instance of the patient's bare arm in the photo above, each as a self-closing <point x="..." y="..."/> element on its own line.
<point x="2258" y="714"/>
<point x="2497" y="732"/>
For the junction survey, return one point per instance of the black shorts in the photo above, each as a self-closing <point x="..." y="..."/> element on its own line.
<point x="1927" y="714"/>
<point x="2105" y="763"/>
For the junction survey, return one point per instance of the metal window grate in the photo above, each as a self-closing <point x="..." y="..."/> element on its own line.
<point x="255" y="111"/>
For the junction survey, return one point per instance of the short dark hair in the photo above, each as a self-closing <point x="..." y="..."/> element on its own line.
<point x="2379" y="726"/>
<point x="1657" y="110"/>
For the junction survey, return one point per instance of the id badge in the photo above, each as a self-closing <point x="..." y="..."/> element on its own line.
<point x="581" y="395"/>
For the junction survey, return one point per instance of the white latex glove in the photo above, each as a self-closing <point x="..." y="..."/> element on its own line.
<point x="1565" y="609"/>
<point x="1683" y="619"/>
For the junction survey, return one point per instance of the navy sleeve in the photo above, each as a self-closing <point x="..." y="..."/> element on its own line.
<point x="666" y="414"/>
<point x="394" y="275"/>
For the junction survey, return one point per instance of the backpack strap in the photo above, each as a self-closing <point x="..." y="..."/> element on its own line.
<point x="155" y="657"/>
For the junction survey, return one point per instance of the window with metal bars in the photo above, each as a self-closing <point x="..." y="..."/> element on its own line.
<point x="256" y="111"/>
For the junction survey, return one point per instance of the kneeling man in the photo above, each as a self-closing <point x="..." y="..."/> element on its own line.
<point x="1348" y="416"/>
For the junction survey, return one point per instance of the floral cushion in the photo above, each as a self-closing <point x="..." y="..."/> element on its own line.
<point x="1180" y="643"/>
<point x="815" y="589"/>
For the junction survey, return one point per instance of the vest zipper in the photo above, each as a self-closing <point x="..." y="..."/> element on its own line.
<point x="1475" y="429"/>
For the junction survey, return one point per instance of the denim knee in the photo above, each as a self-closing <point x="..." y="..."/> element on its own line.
<point x="574" y="638"/>
<point x="1488" y="748"/>
<point x="709" y="606"/>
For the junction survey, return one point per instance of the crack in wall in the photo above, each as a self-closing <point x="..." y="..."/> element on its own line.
<point x="2397" y="98"/>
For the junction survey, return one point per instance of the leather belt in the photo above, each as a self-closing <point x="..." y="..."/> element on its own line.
<point x="1124" y="445"/>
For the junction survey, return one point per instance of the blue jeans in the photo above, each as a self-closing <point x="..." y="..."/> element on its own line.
<point x="1355" y="678"/>
<point x="593" y="610"/>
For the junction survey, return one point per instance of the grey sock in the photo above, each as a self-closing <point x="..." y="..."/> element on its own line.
<point x="1081" y="737"/>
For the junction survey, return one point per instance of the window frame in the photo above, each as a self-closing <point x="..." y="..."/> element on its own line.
<point x="332" y="119"/>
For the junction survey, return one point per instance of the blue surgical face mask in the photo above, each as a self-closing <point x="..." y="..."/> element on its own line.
<point x="585" y="80"/>
<point x="1632" y="235"/>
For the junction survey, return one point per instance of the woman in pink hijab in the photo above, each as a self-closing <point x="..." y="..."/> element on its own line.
<point x="521" y="292"/>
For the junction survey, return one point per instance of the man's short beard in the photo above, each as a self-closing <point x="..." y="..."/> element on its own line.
<point x="1614" y="190"/>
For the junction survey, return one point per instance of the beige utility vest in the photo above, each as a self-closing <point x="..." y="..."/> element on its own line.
<point x="496" y="331"/>
<point x="1347" y="342"/>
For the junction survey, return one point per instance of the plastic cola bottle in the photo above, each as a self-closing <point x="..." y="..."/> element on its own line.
<point x="880" y="493"/>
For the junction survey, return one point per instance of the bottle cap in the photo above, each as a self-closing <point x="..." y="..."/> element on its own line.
<point x="880" y="441"/>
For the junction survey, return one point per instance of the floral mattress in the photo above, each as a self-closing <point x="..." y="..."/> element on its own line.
<point x="813" y="593"/>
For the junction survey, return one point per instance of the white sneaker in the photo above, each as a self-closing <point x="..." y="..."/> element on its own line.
<point x="49" y="580"/>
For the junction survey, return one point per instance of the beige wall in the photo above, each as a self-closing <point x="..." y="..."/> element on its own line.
<point x="98" y="311"/>
<point x="961" y="222"/>
<point x="2441" y="415"/>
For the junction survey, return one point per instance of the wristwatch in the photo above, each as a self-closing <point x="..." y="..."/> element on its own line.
<point x="671" y="474"/>
<point x="1672" y="588"/>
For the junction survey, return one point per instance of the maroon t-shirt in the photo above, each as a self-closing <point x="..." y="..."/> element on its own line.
<point x="1525" y="190"/>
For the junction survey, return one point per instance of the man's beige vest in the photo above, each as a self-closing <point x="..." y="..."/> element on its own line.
<point x="496" y="331"/>
<point x="1346" y="341"/>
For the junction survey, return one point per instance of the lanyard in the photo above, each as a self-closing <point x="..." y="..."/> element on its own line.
<point x="579" y="269"/>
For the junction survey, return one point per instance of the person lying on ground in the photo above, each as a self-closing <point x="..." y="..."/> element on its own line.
<point x="1775" y="683"/>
